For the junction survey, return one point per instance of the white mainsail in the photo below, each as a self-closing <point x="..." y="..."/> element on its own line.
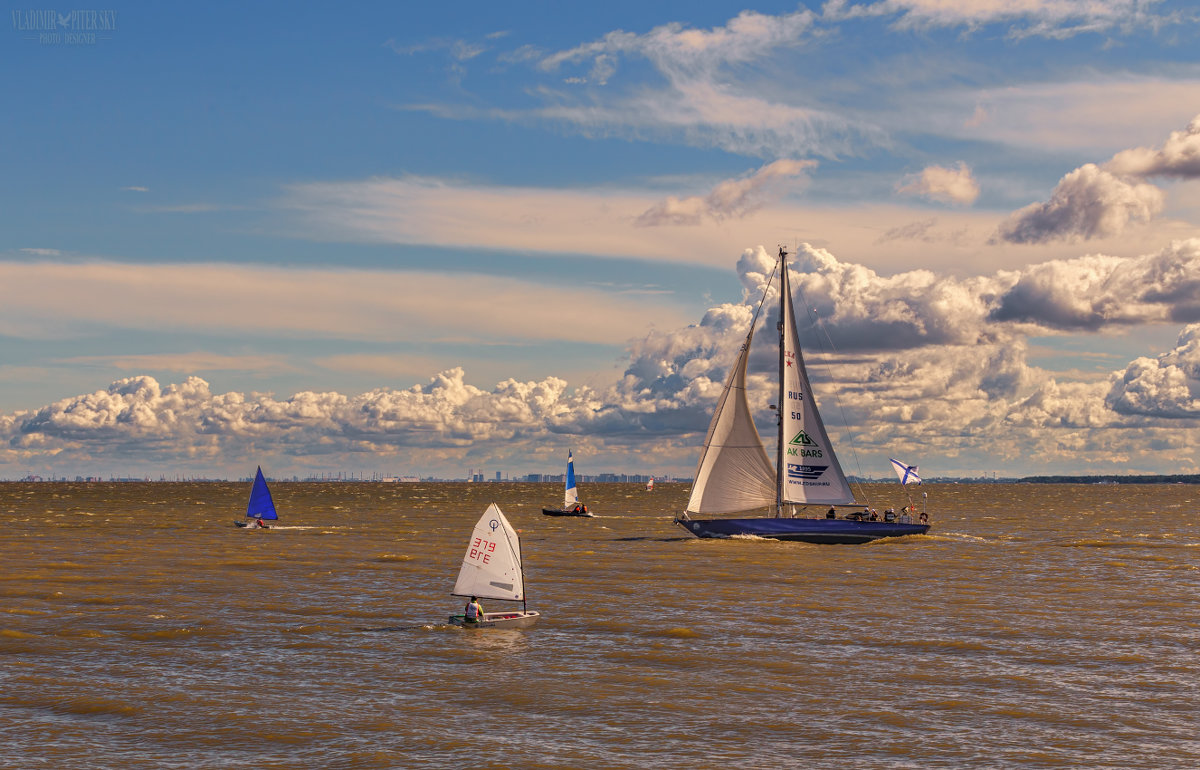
<point x="811" y="471"/>
<point x="491" y="567"/>
<point x="734" y="473"/>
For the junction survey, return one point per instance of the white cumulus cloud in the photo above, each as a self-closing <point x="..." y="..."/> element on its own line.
<point x="1178" y="157"/>
<point x="947" y="185"/>
<point x="1166" y="386"/>
<point x="1087" y="203"/>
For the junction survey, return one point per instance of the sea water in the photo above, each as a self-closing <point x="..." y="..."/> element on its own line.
<point x="1035" y="626"/>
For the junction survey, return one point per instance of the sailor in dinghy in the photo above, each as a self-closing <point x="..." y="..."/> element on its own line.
<point x="492" y="569"/>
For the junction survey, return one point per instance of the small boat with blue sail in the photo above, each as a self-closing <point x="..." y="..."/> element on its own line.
<point x="735" y="475"/>
<point x="492" y="569"/>
<point x="261" y="507"/>
<point x="571" y="505"/>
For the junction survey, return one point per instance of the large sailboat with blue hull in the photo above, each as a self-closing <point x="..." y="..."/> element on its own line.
<point x="735" y="475"/>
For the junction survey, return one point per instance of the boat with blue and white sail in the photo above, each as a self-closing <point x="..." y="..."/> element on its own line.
<point x="261" y="507"/>
<point x="735" y="475"/>
<point x="571" y="505"/>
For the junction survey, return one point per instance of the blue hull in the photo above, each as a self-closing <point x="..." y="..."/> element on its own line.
<point x="805" y="530"/>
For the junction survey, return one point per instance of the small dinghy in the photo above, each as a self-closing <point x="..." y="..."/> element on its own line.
<point x="571" y="505"/>
<point x="492" y="569"/>
<point x="261" y="507"/>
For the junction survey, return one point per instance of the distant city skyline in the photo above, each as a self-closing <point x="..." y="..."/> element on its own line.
<point x="480" y="235"/>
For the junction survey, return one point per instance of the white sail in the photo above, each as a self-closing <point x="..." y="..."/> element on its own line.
<point x="811" y="472"/>
<point x="491" y="567"/>
<point x="734" y="472"/>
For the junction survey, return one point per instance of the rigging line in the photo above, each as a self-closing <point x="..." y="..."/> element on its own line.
<point x="833" y="351"/>
<point x="765" y="292"/>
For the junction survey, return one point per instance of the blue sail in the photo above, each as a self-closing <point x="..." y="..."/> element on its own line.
<point x="571" y="495"/>
<point x="261" y="505"/>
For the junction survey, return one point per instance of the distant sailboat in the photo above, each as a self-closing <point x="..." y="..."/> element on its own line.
<point x="261" y="507"/>
<point x="734" y="473"/>
<point x="492" y="569"/>
<point x="571" y="505"/>
<point x="650" y="485"/>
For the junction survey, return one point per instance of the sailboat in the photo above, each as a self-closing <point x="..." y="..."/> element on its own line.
<point x="571" y="505"/>
<point x="492" y="569"/>
<point x="261" y="507"/>
<point x="650" y="485"/>
<point x="734" y="473"/>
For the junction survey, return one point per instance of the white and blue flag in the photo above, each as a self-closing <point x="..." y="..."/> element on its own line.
<point x="907" y="473"/>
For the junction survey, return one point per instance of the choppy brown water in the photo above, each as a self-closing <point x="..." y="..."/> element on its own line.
<point x="1038" y="626"/>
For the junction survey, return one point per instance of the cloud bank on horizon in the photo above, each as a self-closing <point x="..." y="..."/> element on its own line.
<point x="918" y="361"/>
<point x="995" y="186"/>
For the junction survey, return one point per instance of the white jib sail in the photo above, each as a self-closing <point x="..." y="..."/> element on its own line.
<point x="811" y="472"/>
<point x="491" y="567"/>
<point x="734" y="473"/>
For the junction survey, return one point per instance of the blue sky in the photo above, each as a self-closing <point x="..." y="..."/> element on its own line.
<point x="405" y="239"/>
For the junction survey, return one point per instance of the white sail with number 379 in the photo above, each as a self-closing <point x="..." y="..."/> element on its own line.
<point x="492" y="570"/>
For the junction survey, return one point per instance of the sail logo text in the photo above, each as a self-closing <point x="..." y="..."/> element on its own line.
<point x="810" y="447"/>
<point x="481" y="550"/>
<point x="796" y="395"/>
<point x="805" y="472"/>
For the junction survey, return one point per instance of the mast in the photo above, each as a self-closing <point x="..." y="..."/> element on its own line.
<point x="783" y="288"/>
<point x="524" y="589"/>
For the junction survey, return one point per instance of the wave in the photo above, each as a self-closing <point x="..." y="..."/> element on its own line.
<point x="680" y="632"/>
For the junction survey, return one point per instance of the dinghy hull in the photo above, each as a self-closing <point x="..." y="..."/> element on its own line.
<point x="514" y="619"/>
<point x="843" y="531"/>
<point x="567" y="512"/>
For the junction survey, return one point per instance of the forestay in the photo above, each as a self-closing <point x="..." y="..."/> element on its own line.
<point x="491" y="567"/>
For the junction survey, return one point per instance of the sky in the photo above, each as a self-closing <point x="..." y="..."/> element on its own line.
<point x="429" y="240"/>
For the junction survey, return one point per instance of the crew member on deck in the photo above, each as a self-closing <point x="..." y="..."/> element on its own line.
<point x="474" y="611"/>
